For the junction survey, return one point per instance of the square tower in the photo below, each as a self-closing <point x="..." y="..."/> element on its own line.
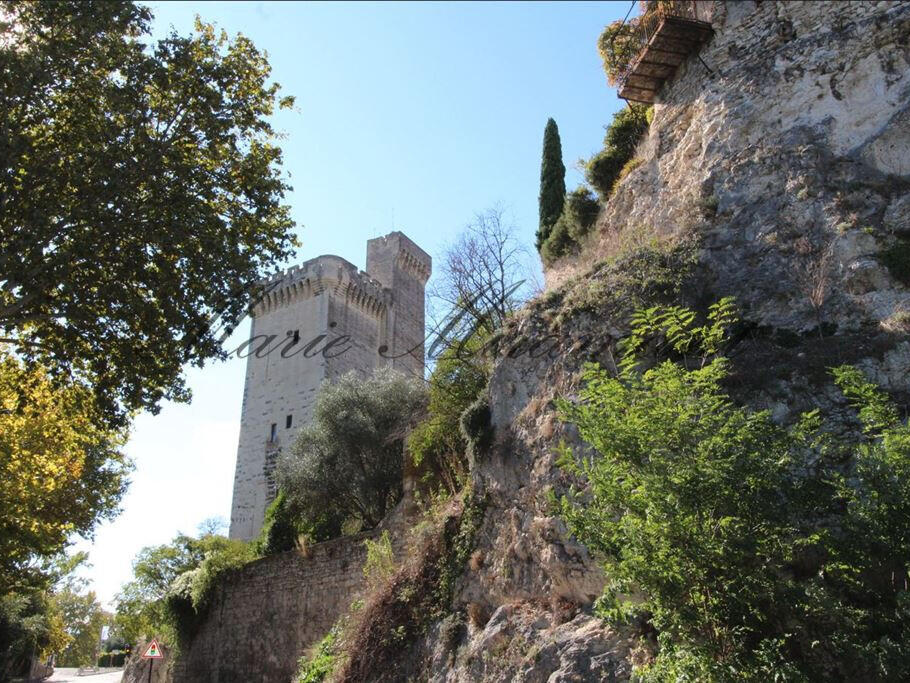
<point x="318" y="321"/>
<point x="403" y="268"/>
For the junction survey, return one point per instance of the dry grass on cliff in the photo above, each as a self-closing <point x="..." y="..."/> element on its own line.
<point x="395" y="613"/>
<point x="604" y="246"/>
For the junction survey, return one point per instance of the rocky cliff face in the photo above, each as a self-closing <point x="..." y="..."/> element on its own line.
<point x="776" y="170"/>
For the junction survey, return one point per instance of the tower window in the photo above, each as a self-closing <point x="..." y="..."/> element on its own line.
<point x="287" y="421"/>
<point x="273" y="433"/>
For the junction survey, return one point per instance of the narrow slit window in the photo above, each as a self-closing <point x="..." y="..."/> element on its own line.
<point x="287" y="421"/>
<point x="273" y="433"/>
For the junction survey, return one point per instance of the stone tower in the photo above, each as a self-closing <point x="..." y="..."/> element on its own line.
<point x="318" y="321"/>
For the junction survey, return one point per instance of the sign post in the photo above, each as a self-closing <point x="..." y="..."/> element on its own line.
<point x="152" y="652"/>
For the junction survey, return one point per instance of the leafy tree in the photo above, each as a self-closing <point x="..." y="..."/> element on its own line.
<point x="83" y="618"/>
<point x="757" y="551"/>
<point x="552" y="182"/>
<point x="348" y="462"/>
<point x="30" y="627"/>
<point x="31" y="620"/>
<point x="171" y="585"/>
<point x="141" y="193"/>
<point x="141" y="611"/>
<point x="60" y="473"/>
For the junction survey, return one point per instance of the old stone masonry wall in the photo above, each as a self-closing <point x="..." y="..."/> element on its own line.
<point x="266" y="614"/>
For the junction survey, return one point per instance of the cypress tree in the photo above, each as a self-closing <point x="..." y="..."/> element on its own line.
<point x="552" y="182"/>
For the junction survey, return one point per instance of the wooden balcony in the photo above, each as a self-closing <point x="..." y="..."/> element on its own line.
<point x="665" y="35"/>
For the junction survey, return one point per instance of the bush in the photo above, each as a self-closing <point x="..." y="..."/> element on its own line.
<point x="757" y="552"/>
<point x="623" y="134"/>
<point x="476" y="427"/>
<point x="322" y="659"/>
<point x="897" y="260"/>
<point x="582" y="209"/>
<point x="114" y="658"/>
<point x="437" y="445"/>
<point x="559" y="243"/>
<point x="280" y="529"/>
<point x="577" y="219"/>
<point x="348" y="462"/>
<point x="380" y="563"/>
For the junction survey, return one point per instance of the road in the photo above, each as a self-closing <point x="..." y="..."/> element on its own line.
<point x="69" y="676"/>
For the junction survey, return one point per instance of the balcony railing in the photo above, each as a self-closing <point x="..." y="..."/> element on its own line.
<point x="654" y="44"/>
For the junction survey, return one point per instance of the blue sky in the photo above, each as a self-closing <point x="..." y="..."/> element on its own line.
<point x="408" y="116"/>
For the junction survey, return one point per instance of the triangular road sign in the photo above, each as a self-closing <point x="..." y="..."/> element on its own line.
<point x="153" y="651"/>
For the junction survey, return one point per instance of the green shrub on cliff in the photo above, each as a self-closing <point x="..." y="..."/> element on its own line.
<point x="322" y="659"/>
<point x="437" y="445"/>
<point x="603" y="170"/>
<point x="758" y="552"/>
<point x="577" y="219"/>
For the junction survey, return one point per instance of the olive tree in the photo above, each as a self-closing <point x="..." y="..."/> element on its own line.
<point x="348" y="463"/>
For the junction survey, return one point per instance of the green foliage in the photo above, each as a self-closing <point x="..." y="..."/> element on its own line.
<point x="552" y="182"/>
<point x="758" y="552"/>
<point x="603" y="170"/>
<point x="673" y="329"/>
<point x="559" y="242"/>
<point x="29" y="625"/>
<point x="172" y="586"/>
<point x="437" y="444"/>
<point x="581" y="210"/>
<point x="476" y="426"/>
<point x="577" y="219"/>
<point x="322" y="659"/>
<point x="142" y="189"/>
<point x="380" y="563"/>
<point x="60" y="470"/>
<point x="896" y="258"/>
<point x="36" y="619"/>
<point x="83" y="618"/>
<point x="347" y="464"/>
<point x="280" y="529"/>
<point x="113" y="658"/>
<point x="617" y="48"/>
